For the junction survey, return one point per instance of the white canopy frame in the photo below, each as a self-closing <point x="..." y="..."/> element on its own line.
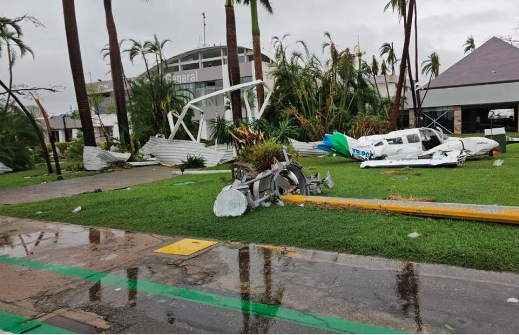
<point x="174" y="126"/>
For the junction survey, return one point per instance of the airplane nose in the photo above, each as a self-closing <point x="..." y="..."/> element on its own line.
<point x="494" y="144"/>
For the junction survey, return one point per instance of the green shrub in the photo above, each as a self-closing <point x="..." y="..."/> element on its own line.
<point x="75" y="150"/>
<point x="261" y="156"/>
<point x="63" y="148"/>
<point x="193" y="162"/>
<point x="75" y="166"/>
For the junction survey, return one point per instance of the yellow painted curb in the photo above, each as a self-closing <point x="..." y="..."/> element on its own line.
<point x="486" y="213"/>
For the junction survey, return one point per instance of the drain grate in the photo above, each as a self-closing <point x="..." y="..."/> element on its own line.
<point x="72" y="325"/>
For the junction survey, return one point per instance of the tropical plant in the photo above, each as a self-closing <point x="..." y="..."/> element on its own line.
<point x="193" y="162"/>
<point x="387" y="50"/>
<point x="156" y="48"/>
<point x="469" y="45"/>
<point x="232" y="59"/>
<point x="11" y="38"/>
<point x="317" y="98"/>
<point x="431" y="66"/>
<point x="76" y="65"/>
<point x="149" y="108"/>
<point x="256" y="42"/>
<point x="117" y="75"/>
<point x="383" y="72"/>
<point x="262" y="155"/>
<point x="17" y="135"/>
<point x="11" y="35"/>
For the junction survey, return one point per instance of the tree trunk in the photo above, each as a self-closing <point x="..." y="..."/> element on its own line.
<point x="117" y="75"/>
<point x="232" y="61"/>
<point x="51" y="138"/>
<point x="418" y="99"/>
<point x="34" y="124"/>
<point x="76" y="65"/>
<point x="411" y="83"/>
<point x="403" y="63"/>
<point x="10" y="61"/>
<point x="256" y="46"/>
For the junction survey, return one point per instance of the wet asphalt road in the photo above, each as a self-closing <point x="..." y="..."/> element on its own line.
<point x="403" y="296"/>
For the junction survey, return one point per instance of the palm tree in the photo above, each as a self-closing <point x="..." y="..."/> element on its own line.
<point x="117" y="75"/>
<point x="391" y="59"/>
<point x="374" y="72"/>
<point x="469" y="44"/>
<point x="383" y="71"/>
<point x="232" y="59"/>
<point x="431" y="68"/>
<point x="403" y="63"/>
<point x="76" y="65"/>
<point x="156" y="47"/>
<point x="256" y="42"/>
<point x="139" y="49"/>
<point x="13" y="38"/>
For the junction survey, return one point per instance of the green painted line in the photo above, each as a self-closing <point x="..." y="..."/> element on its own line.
<point x="285" y="314"/>
<point x="20" y="325"/>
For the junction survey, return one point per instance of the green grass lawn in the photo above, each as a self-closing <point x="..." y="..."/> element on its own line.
<point x="38" y="175"/>
<point x="186" y="210"/>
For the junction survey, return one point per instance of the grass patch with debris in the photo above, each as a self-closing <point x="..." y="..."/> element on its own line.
<point x="39" y="175"/>
<point x="187" y="210"/>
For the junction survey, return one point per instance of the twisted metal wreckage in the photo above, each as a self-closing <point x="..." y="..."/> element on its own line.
<point x="284" y="178"/>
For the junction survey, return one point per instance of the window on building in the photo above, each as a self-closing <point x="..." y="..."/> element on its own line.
<point x="247" y="79"/>
<point x="265" y="59"/>
<point x="55" y="135"/>
<point x="241" y="59"/>
<point x="189" y="58"/>
<point x="212" y="63"/>
<point x="109" y="130"/>
<point x="213" y="53"/>
<point x="192" y="66"/>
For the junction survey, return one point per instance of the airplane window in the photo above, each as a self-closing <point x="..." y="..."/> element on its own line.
<point x="413" y="138"/>
<point x="379" y="144"/>
<point x="397" y="140"/>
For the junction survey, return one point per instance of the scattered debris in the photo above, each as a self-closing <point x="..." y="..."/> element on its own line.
<point x="77" y="209"/>
<point x="512" y="300"/>
<point x="449" y="327"/>
<point x="118" y="289"/>
<point x="302" y="205"/>
<point x="40" y="212"/>
<point x="411" y="198"/>
<point x="498" y="162"/>
<point x="413" y="235"/>
<point x="182" y="183"/>
<point x="128" y="189"/>
<point x="97" y="190"/>
<point x="4" y="168"/>
<point x="95" y="159"/>
<point x="28" y="177"/>
<point x="285" y="177"/>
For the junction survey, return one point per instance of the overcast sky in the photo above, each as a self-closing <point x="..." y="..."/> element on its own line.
<point x="443" y="27"/>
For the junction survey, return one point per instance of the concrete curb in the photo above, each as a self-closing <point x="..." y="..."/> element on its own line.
<point x="486" y="213"/>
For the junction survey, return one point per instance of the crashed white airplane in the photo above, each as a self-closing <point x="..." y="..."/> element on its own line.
<point x="409" y="147"/>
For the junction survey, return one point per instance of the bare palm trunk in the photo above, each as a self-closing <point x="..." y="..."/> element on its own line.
<point x="418" y="99"/>
<point x="256" y="46"/>
<point x="51" y="138"/>
<point x="403" y="64"/>
<point x="34" y="124"/>
<point x="232" y="60"/>
<point x="76" y="65"/>
<point x="10" y="61"/>
<point x="117" y="75"/>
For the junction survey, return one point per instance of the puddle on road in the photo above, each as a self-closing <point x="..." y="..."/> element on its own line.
<point x="55" y="237"/>
<point x="251" y="273"/>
